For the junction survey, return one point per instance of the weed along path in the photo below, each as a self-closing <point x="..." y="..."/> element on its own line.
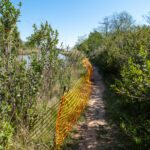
<point x="95" y="133"/>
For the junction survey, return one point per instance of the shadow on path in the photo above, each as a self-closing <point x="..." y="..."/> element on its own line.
<point x="96" y="133"/>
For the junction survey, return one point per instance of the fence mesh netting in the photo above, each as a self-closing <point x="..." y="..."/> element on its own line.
<point x="57" y="122"/>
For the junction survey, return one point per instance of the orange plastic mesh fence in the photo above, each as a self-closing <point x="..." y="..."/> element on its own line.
<point x="72" y="105"/>
<point x="58" y="120"/>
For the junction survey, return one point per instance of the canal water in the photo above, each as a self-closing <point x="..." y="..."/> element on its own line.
<point x="27" y="58"/>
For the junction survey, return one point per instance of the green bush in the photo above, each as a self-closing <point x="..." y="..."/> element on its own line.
<point x="135" y="78"/>
<point x="134" y="86"/>
<point x="123" y="58"/>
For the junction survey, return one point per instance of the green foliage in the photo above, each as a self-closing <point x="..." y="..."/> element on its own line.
<point x="121" y="22"/>
<point x="18" y="91"/>
<point x="5" y="134"/>
<point x="26" y="90"/>
<point x="9" y="15"/>
<point x="83" y="47"/>
<point x="135" y="81"/>
<point x="123" y="57"/>
<point x="93" y="42"/>
<point x="134" y="85"/>
<point x="44" y="38"/>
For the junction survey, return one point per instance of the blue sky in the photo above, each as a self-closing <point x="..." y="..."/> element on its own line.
<point x="74" y="18"/>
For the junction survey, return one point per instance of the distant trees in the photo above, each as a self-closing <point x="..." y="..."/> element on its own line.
<point x="92" y="43"/>
<point x="106" y="24"/>
<point x="94" y="40"/>
<point x="118" y="23"/>
<point x="121" y="22"/>
<point x="147" y="17"/>
<point x="83" y="46"/>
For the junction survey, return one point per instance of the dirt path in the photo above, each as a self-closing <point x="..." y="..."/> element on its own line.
<point x="95" y="133"/>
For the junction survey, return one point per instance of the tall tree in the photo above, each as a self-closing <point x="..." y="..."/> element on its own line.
<point x="148" y="17"/>
<point x="9" y="15"/>
<point x="121" y="22"/>
<point x="106" y="24"/>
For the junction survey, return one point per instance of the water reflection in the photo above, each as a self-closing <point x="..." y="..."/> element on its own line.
<point x="27" y="58"/>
